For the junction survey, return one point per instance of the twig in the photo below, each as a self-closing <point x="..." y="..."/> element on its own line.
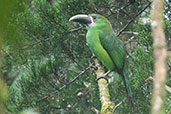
<point x="169" y="65"/>
<point x="118" y="9"/>
<point x="119" y="104"/>
<point x="47" y="39"/>
<point x="81" y="73"/>
<point x="39" y="41"/>
<point x="64" y="86"/>
<point x="75" y="29"/>
<point x="132" y="20"/>
<point x="166" y="86"/>
<point x="130" y="32"/>
<point x="129" y="40"/>
<point x="95" y="110"/>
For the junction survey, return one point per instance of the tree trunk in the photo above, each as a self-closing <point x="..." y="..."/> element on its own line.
<point x="160" y="57"/>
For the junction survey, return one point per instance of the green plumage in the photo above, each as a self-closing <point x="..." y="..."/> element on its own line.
<point x="109" y="49"/>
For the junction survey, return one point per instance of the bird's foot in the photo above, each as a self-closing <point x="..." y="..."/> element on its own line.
<point x="93" y="66"/>
<point x="101" y="77"/>
<point x="93" y="56"/>
<point x="108" y="72"/>
<point x="104" y="76"/>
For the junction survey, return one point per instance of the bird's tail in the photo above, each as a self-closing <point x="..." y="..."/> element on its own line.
<point x="125" y="79"/>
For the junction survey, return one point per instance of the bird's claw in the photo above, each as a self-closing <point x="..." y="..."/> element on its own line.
<point x="104" y="76"/>
<point x="93" y="56"/>
<point x="101" y="77"/>
<point x="93" y="67"/>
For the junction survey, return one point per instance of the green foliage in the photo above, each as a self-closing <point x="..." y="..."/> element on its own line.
<point x="49" y="54"/>
<point x="142" y="66"/>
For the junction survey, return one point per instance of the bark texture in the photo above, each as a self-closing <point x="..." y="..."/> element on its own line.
<point x="107" y="107"/>
<point x="160" y="57"/>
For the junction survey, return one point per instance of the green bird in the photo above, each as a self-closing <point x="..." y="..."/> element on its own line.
<point x="106" y="46"/>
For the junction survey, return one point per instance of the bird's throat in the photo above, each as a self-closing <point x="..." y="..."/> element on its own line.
<point x="91" y="25"/>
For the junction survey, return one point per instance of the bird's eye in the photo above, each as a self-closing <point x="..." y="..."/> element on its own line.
<point x="94" y="18"/>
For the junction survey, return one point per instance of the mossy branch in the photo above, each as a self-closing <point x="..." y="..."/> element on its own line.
<point x="107" y="107"/>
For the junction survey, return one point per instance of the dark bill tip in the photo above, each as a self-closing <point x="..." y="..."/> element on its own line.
<point x="81" y="19"/>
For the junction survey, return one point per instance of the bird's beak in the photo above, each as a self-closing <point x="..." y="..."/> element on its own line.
<point x="81" y="19"/>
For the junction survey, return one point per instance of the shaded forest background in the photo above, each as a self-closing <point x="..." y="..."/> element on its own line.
<point x="46" y="59"/>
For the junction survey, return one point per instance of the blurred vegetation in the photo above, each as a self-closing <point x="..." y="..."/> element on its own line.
<point x="43" y="53"/>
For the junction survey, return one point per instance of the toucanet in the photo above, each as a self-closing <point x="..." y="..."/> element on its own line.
<point x="106" y="46"/>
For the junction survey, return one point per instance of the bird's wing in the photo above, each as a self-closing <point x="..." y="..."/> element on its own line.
<point x="115" y="49"/>
<point x="96" y="47"/>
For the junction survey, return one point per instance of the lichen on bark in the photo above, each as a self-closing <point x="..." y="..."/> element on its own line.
<point x="107" y="106"/>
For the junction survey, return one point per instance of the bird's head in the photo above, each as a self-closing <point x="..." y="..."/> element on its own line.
<point x="92" y="20"/>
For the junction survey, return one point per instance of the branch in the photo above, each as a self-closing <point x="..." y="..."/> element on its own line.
<point x="39" y="41"/>
<point x="66" y="85"/>
<point x="160" y="58"/>
<point x="117" y="8"/>
<point x="47" y="39"/>
<point x="107" y="106"/>
<point x="119" y="104"/>
<point x="169" y="65"/>
<point x="132" y="20"/>
<point x="95" y="110"/>
<point x="130" y="32"/>
<point x="129" y="40"/>
<point x="166" y="87"/>
<point x="75" y="29"/>
<point x="73" y="80"/>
